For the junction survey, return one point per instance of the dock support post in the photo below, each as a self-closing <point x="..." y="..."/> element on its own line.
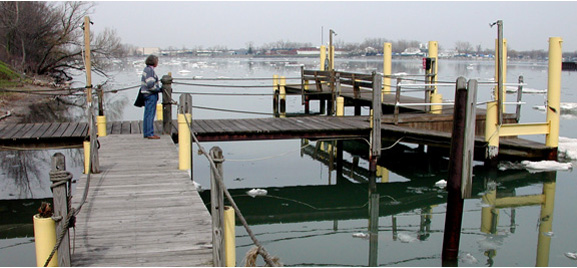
<point x="60" y="197"/>
<point x="387" y="69"/>
<point x="229" y="237"/>
<point x="101" y="118"/>
<point x="434" y="97"/>
<point x="340" y="106"/>
<point x="217" y="207"/>
<point x="275" y="97"/>
<point x="500" y="70"/>
<point x="554" y="94"/>
<point x="323" y="58"/>
<point x="45" y="240"/>
<point x="282" y="95"/>
<point x="491" y="135"/>
<point x="166" y="103"/>
<point x="460" y="168"/>
<point x="184" y="135"/>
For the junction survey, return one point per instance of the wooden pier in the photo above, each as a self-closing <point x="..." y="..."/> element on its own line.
<point x="141" y="210"/>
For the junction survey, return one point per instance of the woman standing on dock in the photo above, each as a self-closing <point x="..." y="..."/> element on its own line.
<point x="149" y="88"/>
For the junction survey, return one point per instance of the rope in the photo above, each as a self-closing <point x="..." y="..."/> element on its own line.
<point x="224" y="94"/>
<point x="267" y="258"/>
<point x="221" y="85"/>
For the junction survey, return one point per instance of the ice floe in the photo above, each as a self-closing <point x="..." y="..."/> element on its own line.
<point x="545" y="165"/>
<point x="406" y="238"/>
<point x="361" y="235"/>
<point x="257" y="192"/>
<point x="567" y="148"/>
<point x="441" y="183"/>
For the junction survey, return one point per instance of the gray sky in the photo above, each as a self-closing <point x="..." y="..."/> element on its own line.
<point x="527" y="24"/>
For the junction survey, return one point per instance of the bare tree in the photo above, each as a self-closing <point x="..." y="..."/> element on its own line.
<point x="463" y="47"/>
<point x="53" y="44"/>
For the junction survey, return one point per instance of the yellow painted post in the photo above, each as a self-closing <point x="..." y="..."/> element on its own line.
<point x="101" y="125"/>
<point x="332" y="57"/>
<point x="434" y="53"/>
<point x="491" y="130"/>
<point x="323" y="58"/>
<point x="436" y="98"/>
<point x="387" y="68"/>
<point x="159" y="111"/>
<point x="184" y="148"/>
<point x="546" y="224"/>
<point x="45" y="240"/>
<point x="340" y="106"/>
<point x="86" y="146"/>
<point x="229" y="237"/>
<point x="554" y="92"/>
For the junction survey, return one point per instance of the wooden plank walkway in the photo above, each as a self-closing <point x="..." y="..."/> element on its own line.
<point x="426" y="129"/>
<point x="141" y="210"/>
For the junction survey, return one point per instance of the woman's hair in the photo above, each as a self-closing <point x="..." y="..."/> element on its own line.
<point x="151" y="60"/>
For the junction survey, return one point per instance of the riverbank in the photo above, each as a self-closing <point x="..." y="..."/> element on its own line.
<point x="15" y="107"/>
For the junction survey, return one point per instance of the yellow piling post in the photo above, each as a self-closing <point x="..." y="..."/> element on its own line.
<point x="436" y="98"/>
<point x="434" y="53"/>
<point x="45" y="240"/>
<point x="340" y="106"/>
<point x="323" y="58"/>
<point x="229" y="237"/>
<point x="387" y="68"/>
<point x="159" y="111"/>
<point x="554" y="91"/>
<point x="491" y="131"/>
<point x="101" y="125"/>
<point x="184" y="150"/>
<point x="86" y="145"/>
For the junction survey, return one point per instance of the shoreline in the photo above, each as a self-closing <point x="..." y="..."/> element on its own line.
<point x="15" y="107"/>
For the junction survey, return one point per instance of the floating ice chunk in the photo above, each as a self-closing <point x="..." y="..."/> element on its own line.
<point x="545" y="165"/>
<point x="441" y="184"/>
<point x="571" y="255"/>
<point x="468" y="258"/>
<point x="257" y="192"/>
<point x="361" y="235"/>
<point x="184" y="72"/>
<point x="568" y="148"/>
<point x="406" y="238"/>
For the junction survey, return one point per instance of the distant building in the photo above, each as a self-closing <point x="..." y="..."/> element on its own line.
<point x="150" y="50"/>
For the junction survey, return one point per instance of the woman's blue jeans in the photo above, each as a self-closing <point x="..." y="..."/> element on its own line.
<point x="149" y="114"/>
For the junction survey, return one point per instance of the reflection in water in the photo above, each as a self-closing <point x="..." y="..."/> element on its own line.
<point x="358" y="194"/>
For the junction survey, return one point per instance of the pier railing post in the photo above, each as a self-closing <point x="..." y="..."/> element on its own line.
<point x="387" y="68"/>
<point x="184" y="135"/>
<point x="166" y="103"/>
<point x="398" y="99"/>
<point x="60" y="181"/>
<point x="100" y="119"/>
<point x="554" y="94"/>
<point x="217" y="208"/>
<point x="460" y="168"/>
<point x="276" y="94"/>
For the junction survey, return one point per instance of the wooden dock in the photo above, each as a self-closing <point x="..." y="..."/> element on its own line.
<point x="141" y="210"/>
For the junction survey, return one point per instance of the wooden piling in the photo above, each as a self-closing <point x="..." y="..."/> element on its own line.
<point x="460" y="164"/>
<point x="60" y="197"/>
<point x="217" y="208"/>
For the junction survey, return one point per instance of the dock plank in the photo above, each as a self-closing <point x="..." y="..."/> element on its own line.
<point x="141" y="210"/>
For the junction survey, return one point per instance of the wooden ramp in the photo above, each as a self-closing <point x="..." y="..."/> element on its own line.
<point x="141" y="210"/>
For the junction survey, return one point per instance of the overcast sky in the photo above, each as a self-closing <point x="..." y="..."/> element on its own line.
<point x="527" y="24"/>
